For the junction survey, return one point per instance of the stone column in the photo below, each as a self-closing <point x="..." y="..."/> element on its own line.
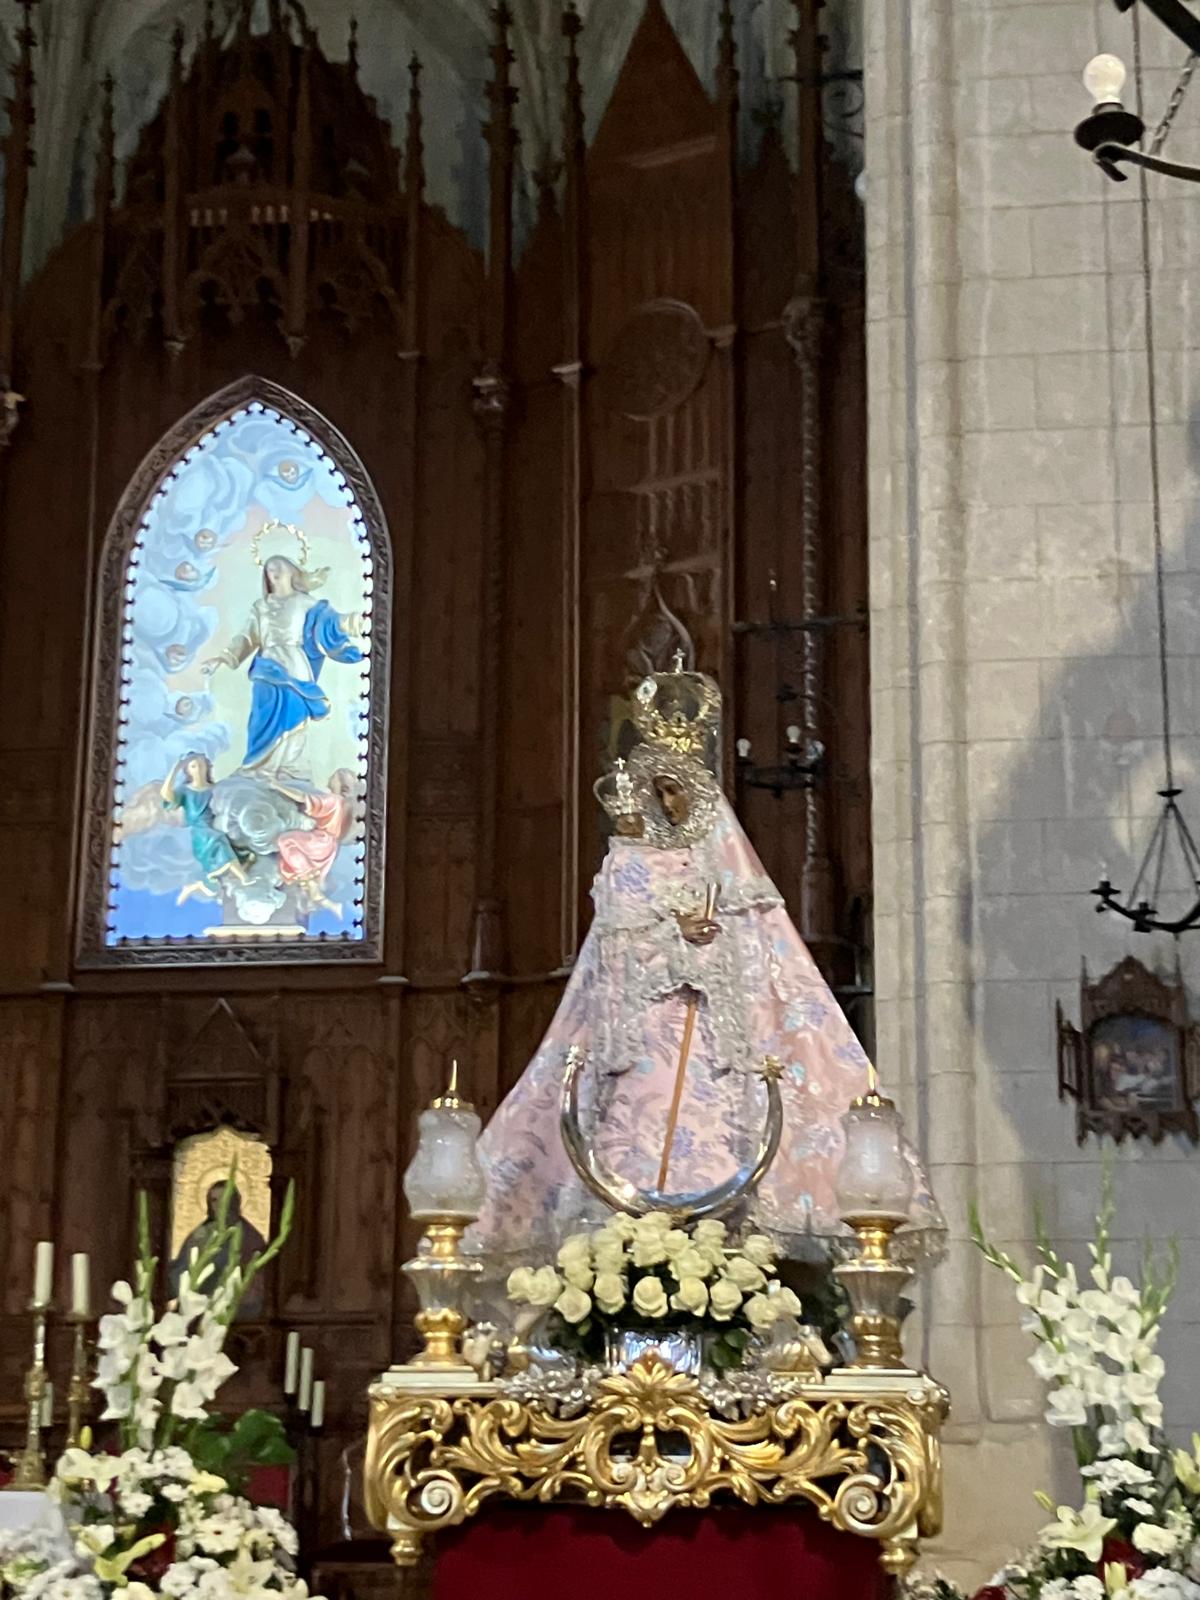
<point x="1015" y="687"/>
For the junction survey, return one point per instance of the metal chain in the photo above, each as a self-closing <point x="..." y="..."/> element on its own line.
<point x="1168" y="117"/>
<point x="1152" y="409"/>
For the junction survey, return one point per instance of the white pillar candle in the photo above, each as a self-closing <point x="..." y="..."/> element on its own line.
<point x="306" y="1379"/>
<point x="291" y="1365"/>
<point x="318" y="1403"/>
<point x="81" y="1288"/>
<point x="47" y="1417"/>
<point x="43" y="1273"/>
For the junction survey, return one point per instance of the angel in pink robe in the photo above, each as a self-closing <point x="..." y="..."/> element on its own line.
<point x="307" y="854"/>
<point x="654" y="949"/>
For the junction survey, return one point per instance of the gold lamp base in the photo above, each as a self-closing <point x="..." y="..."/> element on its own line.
<point x="441" y="1276"/>
<point x="875" y="1283"/>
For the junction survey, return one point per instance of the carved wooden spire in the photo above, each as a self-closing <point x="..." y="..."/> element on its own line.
<point x="573" y="147"/>
<point x="727" y="74"/>
<point x="352" y="49"/>
<point x="414" y="143"/>
<point x="210" y="21"/>
<point x="805" y="40"/>
<point x="300" y="208"/>
<point x="102" y="198"/>
<point x="172" y="257"/>
<point x="18" y="159"/>
<point x="502" y="142"/>
<point x="491" y="407"/>
<point x="570" y="372"/>
<point x="102" y="192"/>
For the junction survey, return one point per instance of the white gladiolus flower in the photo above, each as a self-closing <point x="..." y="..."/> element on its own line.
<point x="1137" y="1437"/>
<point x="1110" y="1476"/>
<point x="1048" y="1362"/>
<point x="1066" y="1409"/>
<point x="579" y="1275"/>
<point x="1154" y="1540"/>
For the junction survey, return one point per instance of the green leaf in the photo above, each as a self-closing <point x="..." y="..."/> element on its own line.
<point x="721" y="1357"/>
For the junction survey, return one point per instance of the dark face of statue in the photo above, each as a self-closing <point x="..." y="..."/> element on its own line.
<point x="672" y="796"/>
<point x="213" y="1198"/>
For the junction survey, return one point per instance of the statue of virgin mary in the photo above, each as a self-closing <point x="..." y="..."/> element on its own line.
<point x="692" y="975"/>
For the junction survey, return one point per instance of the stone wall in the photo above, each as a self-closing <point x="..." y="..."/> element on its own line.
<point x="1016" y="691"/>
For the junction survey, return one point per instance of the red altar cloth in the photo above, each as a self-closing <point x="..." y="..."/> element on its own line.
<point x="726" y="1553"/>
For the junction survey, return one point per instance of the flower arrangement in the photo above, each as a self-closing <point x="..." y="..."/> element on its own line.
<point x="1137" y="1534"/>
<point x="166" y="1515"/>
<point x="646" y="1272"/>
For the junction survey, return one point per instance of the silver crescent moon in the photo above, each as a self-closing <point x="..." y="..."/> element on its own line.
<point x="622" y="1195"/>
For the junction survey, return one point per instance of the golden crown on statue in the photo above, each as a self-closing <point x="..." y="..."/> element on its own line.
<point x="678" y="709"/>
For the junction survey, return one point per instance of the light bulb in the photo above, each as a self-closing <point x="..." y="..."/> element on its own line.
<point x="793" y="733"/>
<point x="860" y="187"/>
<point x="743" y="749"/>
<point x="1104" y="78"/>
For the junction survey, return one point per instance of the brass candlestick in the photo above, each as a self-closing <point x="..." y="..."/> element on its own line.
<point x="79" y="1393"/>
<point x="441" y="1277"/>
<point x="30" y="1471"/>
<point x="445" y="1188"/>
<point x="874" y="1283"/>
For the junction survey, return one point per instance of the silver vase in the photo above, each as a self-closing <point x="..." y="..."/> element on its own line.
<point x="682" y="1347"/>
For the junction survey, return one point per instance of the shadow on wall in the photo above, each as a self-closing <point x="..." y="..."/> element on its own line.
<point x="1078" y="793"/>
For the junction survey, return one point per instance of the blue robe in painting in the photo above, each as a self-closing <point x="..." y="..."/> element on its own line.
<point x="279" y="702"/>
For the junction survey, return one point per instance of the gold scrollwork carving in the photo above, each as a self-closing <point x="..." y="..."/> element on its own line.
<point x="867" y="1461"/>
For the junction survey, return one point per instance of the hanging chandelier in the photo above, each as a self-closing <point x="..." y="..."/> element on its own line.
<point x="1114" y="135"/>
<point x="1171" y="861"/>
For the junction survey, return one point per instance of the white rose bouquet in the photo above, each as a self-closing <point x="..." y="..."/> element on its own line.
<point x="164" y="1515"/>
<point x="644" y="1272"/>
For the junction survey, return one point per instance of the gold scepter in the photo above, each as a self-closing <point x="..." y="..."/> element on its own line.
<point x="685" y="1048"/>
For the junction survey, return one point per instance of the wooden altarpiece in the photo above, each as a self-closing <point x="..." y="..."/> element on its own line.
<point x="642" y="430"/>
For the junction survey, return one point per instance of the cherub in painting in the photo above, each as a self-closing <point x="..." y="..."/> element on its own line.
<point x="188" y="788"/>
<point x="306" y="855"/>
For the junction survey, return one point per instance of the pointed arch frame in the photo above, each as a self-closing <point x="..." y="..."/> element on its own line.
<point x="104" y="709"/>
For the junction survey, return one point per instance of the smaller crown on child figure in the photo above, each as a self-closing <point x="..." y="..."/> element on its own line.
<point x="615" y="793"/>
